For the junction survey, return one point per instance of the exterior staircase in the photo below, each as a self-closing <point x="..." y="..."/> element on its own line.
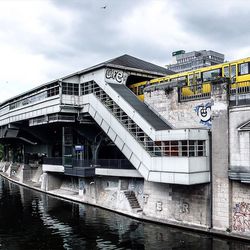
<point x="142" y="136"/>
<point x="133" y="202"/>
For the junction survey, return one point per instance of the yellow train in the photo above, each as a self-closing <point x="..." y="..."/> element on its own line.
<point x="236" y="72"/>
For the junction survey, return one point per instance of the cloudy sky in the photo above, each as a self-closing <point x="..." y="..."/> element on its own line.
<point x="42" y="40"/>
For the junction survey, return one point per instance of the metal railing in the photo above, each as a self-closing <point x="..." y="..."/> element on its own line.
<point x="195" y="92"/>
<point x="103" y="163"/>
<point x="52" y="160"/>
<point x="239" y="93"/>
<point x="78" y="171"/>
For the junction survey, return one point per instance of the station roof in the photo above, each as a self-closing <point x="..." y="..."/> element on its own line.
<point x="125" y="62"/>
<point x="129" y="62"/>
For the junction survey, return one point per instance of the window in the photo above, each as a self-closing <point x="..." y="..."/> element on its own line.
<point x="70" y="88"/>
<point x="201" y="148"/>
<point x="53" y="91"/>
<point x="243" y="69"/>
<point x="182" y="79"/>
<point x="184" y="148"/>
<point x="233" y="71"/>
<point x="226" y="71"/>
<point x="140" y="90"/>
<point x="211" y="75"/>
<point x="171" y="148"/>
<point x="187" y="148"/>
<point x="194" y="79"/>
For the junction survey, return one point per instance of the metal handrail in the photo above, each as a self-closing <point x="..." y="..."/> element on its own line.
<point x="103" y="163"/>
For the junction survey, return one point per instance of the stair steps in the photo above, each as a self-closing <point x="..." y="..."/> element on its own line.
<point x="133" y="202"/>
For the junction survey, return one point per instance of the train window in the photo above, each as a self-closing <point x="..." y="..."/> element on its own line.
<point x="133" y="89"/>
<point x="243" y="69"/>
<point x="140" y="90"/>
<point x="226" y="71"/>
<point x="182" y="79"/>
<point x="173" y="79"/>
<point x="194" y="78"/>
<point x="190" y="79"/>
<point x="233" y="71"/>
<point x="211" y="74"/>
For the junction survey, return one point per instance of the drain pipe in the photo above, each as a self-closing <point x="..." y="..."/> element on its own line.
<point x="211" y="179"/>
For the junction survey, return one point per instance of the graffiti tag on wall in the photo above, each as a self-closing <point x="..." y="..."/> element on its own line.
<point x="204" y="113"/>
<point x="241" y="217"/>
<point x="115" y="76"/>
<point x="184" y="208"/>
<point x="158" y="206"/>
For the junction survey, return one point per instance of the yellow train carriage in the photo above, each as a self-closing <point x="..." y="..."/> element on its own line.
<point x="198" y="81"/>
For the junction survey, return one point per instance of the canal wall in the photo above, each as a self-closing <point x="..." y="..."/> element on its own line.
<point x="230" y="154"/>
<point x="184" y="206"/>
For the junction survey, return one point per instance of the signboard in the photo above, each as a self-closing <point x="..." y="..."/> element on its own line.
<point x="79" y="148"/>
<point x="178" y="52"/>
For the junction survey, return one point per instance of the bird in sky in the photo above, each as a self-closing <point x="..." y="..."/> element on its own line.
<point x="104" y="7"/>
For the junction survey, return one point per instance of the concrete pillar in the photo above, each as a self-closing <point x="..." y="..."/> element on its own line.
<point x="221" y="187"/>
<point x="50" y="182"/>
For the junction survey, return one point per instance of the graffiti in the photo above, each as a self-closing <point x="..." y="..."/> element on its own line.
<point x="158" y="206"/>
<point x="184" y="208"/>
<point x="145" y="198"/>
<point x="204" y="113"/>
<point x="241" y="217"/>
<point x="121" y="196"/>
<point x="13" y="172"/>
<point x="115" y="75"/>
<point x="114" y="196"/>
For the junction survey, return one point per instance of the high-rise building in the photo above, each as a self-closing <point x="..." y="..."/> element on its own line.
<point x="183" y="61"/>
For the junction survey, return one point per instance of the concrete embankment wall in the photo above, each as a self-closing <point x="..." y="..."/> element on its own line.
<point x="174" y="204"/>
<point x="178" y="204"/>
<point x="185" y="206"/>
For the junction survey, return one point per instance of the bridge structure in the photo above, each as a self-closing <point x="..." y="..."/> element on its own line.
<point x="89" y="123"/>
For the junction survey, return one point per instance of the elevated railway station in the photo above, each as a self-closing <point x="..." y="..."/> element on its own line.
<point x="133" y="137"/>
<point x="92" y="117"/>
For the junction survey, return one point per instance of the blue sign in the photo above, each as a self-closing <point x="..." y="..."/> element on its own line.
<point x="79" y="148"/>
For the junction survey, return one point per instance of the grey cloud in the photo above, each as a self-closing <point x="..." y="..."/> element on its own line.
<point x="216" y="21"/>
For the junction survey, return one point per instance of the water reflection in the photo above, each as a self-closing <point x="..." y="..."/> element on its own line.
<point x="33" y="220"/>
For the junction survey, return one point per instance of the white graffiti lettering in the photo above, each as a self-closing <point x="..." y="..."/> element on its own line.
<point x="114" y="74"/>
<point x="158" y="206"/>
<point x="184" y="208"/>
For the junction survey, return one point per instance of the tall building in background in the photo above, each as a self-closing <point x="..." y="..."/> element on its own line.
<point x="183" y="61"/>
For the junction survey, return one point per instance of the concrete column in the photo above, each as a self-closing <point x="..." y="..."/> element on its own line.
<point x="220" y="158"/>
<point x="50" y="182"/>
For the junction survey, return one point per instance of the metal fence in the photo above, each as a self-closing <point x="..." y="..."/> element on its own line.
<point x="195" y="92"/>
<point x="103" y="163"/>
<point x="239" y="93"/>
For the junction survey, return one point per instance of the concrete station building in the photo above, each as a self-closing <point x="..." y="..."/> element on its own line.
<point x="87" y="137"/>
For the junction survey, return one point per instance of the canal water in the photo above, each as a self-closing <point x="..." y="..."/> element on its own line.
<point x="33" y="220"/>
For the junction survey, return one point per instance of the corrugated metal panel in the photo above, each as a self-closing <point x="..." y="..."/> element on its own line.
<point x="156" y="122"/>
